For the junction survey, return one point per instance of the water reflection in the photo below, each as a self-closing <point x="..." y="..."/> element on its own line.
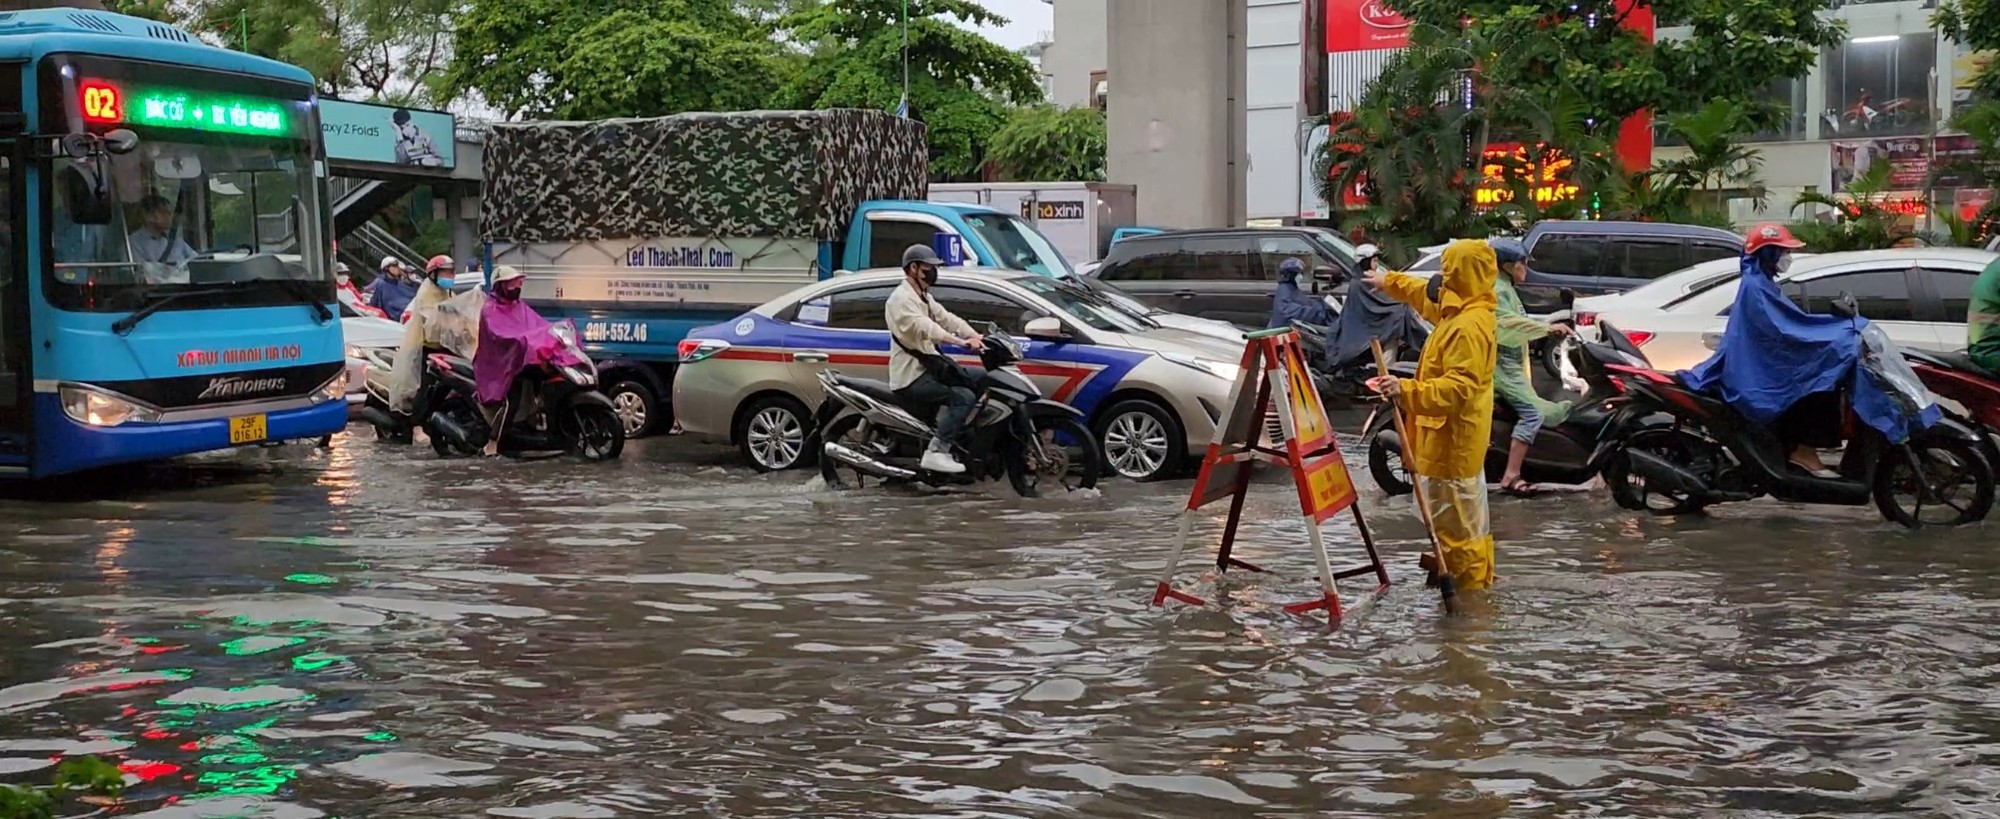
<point x="369" y="632"/>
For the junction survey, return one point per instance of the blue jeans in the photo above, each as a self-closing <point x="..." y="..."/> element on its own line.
<point x="957" y="402"/>
<point x="1530" y="423"/>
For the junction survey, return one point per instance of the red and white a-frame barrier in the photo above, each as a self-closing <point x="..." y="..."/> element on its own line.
<point x="1274" y="374"/>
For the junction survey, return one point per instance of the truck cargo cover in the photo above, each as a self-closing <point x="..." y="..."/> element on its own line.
<point x="789" y="174"/>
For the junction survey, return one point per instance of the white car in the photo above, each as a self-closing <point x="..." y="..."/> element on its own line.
<point x="1918" y="295"/>
<point x="371" y="345"/>
<point x="1651" y="296"/>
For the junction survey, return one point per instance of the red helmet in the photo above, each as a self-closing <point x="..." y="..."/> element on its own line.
<point x="443" y="262"/>
<point x="1770" y="233"/>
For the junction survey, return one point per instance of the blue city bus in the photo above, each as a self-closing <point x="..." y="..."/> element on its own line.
<point x="165" y="282"/>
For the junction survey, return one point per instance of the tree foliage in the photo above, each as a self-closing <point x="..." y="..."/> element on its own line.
<point x="960" y="82"/>
<point x="1861" y="221"/>
<point x="85" y="776"/>
<point x="360" y="49"/>
<point x="587" y="59"/>
<point x="1043" y="143"/>
<point x="1736" y="49"/>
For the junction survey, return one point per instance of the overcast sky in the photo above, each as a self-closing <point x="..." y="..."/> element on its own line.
<point x="1026" y="20"/>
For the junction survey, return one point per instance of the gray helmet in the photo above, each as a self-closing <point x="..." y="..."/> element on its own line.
<point x="921" y="254"/>
<point x="1507" y="251"/>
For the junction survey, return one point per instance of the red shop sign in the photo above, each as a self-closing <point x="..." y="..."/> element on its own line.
<point x="1364" y="25"/>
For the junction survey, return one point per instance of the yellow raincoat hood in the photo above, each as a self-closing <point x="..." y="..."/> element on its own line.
<point x="1470" y="269"/>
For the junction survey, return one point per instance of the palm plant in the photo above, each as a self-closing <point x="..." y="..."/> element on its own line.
<point x="1861" y="221"/>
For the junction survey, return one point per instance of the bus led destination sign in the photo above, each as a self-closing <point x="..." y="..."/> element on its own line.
<point x="103" y="102"/>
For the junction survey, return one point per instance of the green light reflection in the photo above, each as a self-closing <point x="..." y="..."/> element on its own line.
<point x="315" y="661"/>
<point x="311" y="579"/>
<point x="246" y="646"/>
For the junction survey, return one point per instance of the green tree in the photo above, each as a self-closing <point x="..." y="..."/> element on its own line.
<point x="1417" y="142"/>
<point x="359" y="49"/>
<point x="1043" y="143"/>
<point x="960" y="82"/>
<point x="587" y="59"/>
<point x="161" y="10"/>
<point x="80" y="776"/>
<point x="1736" y="48"/>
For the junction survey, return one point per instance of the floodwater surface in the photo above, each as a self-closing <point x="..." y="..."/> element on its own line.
<point x="372" y="632"/>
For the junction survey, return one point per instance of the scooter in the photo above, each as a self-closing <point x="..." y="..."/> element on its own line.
<point x="868" y="430"/>
<point x="1713" y="454"/>
<point x="1572" y="452"/>
<point x="554" y="409"/>
<point x="1956" y="377"/>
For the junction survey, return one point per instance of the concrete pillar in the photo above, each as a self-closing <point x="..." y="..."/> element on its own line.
<point x="1176" y="114"/>
<point x="464" y="215"/>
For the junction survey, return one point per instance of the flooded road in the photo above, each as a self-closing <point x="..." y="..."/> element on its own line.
<point x="371" y="632"/>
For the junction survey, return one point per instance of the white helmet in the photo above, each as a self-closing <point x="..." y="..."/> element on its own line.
<point x="1365" y="252"/>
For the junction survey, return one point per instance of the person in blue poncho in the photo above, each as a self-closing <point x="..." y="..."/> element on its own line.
<point x="1292" y="303"/>
<point x="1786" y="368"/>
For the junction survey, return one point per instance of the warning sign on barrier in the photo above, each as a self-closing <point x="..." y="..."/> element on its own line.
<point x="1274" y="374"/>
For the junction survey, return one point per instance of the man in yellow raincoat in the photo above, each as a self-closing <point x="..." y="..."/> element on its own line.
<point x="1450" y="402"/>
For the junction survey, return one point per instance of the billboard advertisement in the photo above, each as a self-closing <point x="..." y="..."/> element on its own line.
<point x="1364" y="25"/>
<point x="387" y="135"/>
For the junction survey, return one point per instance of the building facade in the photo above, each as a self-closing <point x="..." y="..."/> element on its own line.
<point x="1884" y="94"/>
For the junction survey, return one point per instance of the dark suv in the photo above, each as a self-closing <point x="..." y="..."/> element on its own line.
<point x="1594" y="258"/>
<point x="1224" y="274"/>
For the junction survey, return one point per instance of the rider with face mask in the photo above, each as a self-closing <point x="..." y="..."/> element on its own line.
<point x="917" y="371"/>
<point x="1778" y="364"/>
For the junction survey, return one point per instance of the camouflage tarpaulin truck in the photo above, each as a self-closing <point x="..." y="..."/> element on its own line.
<point x="774" y="174"/>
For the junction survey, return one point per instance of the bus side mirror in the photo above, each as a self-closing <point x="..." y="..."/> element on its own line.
<point x="121" y="141"/>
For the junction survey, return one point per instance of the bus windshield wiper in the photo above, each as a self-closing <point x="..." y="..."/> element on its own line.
<point x="301" y="294"/>
<point x="293" y="287"/>
<point x="124" y="326"/>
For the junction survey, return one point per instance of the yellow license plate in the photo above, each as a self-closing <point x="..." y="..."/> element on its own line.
<point x="248" y="429"/>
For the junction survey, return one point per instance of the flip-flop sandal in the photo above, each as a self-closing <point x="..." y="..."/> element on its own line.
<point x="1519" y="489"/>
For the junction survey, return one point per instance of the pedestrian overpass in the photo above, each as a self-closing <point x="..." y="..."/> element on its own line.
<point x="377" y="154"/>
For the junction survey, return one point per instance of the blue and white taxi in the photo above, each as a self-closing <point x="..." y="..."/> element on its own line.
<point x="1153" y="394"/>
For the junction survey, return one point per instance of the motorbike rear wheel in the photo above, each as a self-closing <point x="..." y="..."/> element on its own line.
<point x="1385" y="461"/>
<point x="846" y="431"/>
<point x="1950" y="477"/>
<point x="1631" y="492"/>
<point x="1073" y="463"/>
<point x="595" y="432"/>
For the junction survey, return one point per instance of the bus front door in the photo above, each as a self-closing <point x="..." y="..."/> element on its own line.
<point x="16" y="379"/>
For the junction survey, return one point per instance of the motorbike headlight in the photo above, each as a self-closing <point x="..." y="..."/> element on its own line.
<point x="582" y="375"/>
<point x="335" y="388"/>
<point x="356" y="352"/>
<point x="1224" y="371"/>
<point x="97" y="408"/>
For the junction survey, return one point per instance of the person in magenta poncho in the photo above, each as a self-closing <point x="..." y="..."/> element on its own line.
<point x="512" y="338"/>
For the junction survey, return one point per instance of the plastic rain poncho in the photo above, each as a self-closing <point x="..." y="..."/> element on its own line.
<point x="437" y="319"/>
<point x="1513" y="331"/>
<point x="1450" y="404"/>
<point x="512" y="338"/>
<point x="1774" y="353"/>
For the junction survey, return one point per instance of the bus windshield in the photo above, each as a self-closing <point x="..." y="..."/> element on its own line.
<point x="219" y="193"/>
<point x="175" y="213"/>
<point x="1018" y="244"/>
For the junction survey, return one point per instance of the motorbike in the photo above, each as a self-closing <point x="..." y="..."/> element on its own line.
<point x="1713" y="454"/>
<point x="1572" y="452"/>
<point x="867" y="430"/>
<point x="556" y="409"/>
<point x="1956" y="377"/>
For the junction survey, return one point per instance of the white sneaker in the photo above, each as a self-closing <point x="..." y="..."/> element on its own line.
<point x="941" y="462"/>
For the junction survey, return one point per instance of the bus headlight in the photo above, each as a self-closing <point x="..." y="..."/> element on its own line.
<point x="85" y="405"/>
<point x="335" y="388"/>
